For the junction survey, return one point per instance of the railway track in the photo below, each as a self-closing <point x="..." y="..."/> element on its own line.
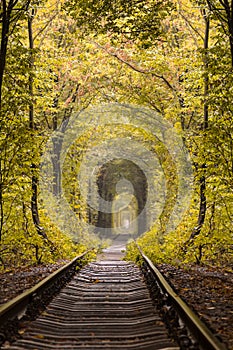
<point x="110" y="304"/>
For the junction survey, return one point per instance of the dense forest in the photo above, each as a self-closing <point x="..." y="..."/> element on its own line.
<point x="59" y="58"/>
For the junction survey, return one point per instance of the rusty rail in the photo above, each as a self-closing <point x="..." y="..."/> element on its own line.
<point x="19" y="306"/>
<point x="204" y="337"/>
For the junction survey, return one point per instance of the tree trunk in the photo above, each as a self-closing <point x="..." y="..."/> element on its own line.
<point x="3" y="50"/>
<point x="1" y="201"/>
<point x="57" y="144"/>
<point x="34" y="183"/>
<point x="6" y="12"/>
<point x="203" y="204"/>
<point x="229" y="12"/>
<point x="224" y="12"/>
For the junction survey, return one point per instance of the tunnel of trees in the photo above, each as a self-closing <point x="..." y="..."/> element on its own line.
<point x="60" y="57"/>
<point x="110" y="175"/>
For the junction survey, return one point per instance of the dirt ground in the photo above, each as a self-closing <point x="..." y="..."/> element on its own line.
<point x="209" y="292"/>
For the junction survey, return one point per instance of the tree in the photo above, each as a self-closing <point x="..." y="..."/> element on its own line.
<point x="205" y="124"/>
<point x="25" y="232"/>
<point x="34" y="197"/>
<point x="163" y="55"/>
<point x="222" y="11"/>
<point x="11" y="12"/>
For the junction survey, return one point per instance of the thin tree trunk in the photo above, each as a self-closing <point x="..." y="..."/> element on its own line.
<point x="224" y="12"/>
<point x="229" y="12"/>
<point x="203" y="201"/>
<point x="1" y="202"/>
<point x="34" y="197"/>
<point x="57" y="145"/>
<point x="6" y="14"/>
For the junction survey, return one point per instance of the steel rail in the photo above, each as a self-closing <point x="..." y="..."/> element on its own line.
<point x="205" y="338"/>
<point x="106" y="305"/>
<point x="17" y="307"/>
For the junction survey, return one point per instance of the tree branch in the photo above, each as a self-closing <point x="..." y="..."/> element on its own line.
<point x="137" y="69"/>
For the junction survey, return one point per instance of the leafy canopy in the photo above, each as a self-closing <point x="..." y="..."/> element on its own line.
<point x="134" y="19"/>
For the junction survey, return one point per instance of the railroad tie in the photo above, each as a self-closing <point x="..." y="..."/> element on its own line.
<point x="105" y="306"/>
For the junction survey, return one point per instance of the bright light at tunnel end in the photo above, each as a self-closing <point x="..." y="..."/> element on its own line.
<point x="161" y="148"/>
